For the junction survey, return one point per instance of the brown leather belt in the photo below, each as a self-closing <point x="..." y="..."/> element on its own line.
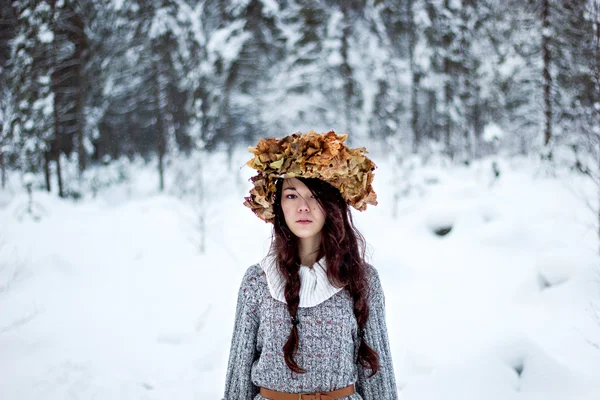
<point x="333" y="395"/>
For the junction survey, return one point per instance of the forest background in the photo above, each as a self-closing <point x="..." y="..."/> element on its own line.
<point x="93" y="82"/>
<point x="483" y="117"/>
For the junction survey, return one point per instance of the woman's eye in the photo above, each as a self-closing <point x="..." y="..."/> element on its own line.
<point x="290" y="196"/>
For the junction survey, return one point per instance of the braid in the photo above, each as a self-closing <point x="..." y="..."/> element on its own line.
<point x="292" y="297"/>
<point x="367" y="357"/>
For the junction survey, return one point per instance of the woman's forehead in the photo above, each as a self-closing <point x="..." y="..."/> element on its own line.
<point x="293" y="183"/>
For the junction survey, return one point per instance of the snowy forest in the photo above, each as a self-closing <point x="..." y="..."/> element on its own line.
<point x="89" y="82"/>
<point x="124" y="129"/>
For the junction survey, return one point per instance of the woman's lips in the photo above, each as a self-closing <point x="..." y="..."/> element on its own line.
<point x="304" y="221"/>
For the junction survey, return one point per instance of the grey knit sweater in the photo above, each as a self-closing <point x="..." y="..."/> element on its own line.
<point x="328" y="344"/>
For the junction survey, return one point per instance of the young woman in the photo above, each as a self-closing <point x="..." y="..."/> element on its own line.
<point x="310" y="319"/>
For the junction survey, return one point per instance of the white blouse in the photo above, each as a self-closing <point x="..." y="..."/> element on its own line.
<point x="315" y="288"/>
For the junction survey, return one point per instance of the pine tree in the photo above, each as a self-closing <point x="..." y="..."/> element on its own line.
<point x="114" y="85"/>
<point x="471" y="15"/>
<point x="296" y="92"/>
<point x="446" y="61"/>
<point x="384" y="63"/>
<point x="341" y="89"/>
<point x="415" y="73"/>
<point x="549" y="20"/>
<point x="579" y="80"/>
<point x="46" y="85"/>
<point x="252" y="47"/>
<point x="31" y="68"/>
<point x="546" y="34"/>
<point x="510" y="90"/>
<point x="167" y="52"/>
<point x="70" y="45"/>
<point x="7" y="30"/>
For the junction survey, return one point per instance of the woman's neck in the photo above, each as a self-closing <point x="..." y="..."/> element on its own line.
<point x="309" y="250"/>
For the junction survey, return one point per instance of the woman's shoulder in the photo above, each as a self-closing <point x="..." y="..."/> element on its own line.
<point x="372" y="273"/>
<point x="254" y="277"/>
<point x="375" y="287"/>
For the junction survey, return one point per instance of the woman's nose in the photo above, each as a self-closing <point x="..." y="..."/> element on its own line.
<point x="303" y="206"/>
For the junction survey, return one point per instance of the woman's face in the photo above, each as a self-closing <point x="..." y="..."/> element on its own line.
<point x="303" y="213"/>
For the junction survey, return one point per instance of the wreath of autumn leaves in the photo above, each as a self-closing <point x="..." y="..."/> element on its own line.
<point x="311" y="155"/>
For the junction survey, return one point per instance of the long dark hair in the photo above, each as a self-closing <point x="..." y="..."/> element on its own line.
<point x="343" y="247"/>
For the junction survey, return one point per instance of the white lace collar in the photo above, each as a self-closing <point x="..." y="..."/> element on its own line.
<point x="314" y="285"/>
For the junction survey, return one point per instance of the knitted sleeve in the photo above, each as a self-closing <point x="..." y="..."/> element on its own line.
<point x="383" y="384"/>
<point x="243" y="352"/>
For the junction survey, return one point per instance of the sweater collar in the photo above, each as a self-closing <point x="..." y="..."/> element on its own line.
<point x="315" y="288"/>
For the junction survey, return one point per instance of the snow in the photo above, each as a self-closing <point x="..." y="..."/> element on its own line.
<point x="28" y="178"/>
<point x="109" y="297"/>
<point x="193" y="16"/>
<point x="510" y="67"/>
<point x="45" y="35"/>
<point x="492" y="132"/>
<point x="228" y="42"/>
<point x="163" y="23"/>
<point x="117" y="4"/>
<point x="270" y="7"/>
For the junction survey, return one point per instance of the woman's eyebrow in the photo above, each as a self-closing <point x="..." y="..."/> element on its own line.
<point x="290" y="188"/>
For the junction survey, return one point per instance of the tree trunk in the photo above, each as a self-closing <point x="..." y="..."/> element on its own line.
<point x="415" y="77"/>
<point x="2" y="170"/>
<point x="61" y="192"/>
<point x="160" y="132"/>
<point x="81" y="153"/>
<point x="7" y="27"/>
<point x="201" y="202"/>
<point x="346" y="71"/>
<point x="55" y="145"/>
<point x="447" y="117"/>
<point x="547" y="78"/>
<point x="477" y="128"/>
<point x="47" y="159"/>
<point x="467" y="88"/>
<point x="222" y="13"/>
<point x="226" y="123"/>
<point x="447" y="93"/>
<point x="595" y="135"/>
<point x="432" y="116"/>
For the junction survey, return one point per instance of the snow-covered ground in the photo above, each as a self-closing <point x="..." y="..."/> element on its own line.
<point x="110" y="298"/>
